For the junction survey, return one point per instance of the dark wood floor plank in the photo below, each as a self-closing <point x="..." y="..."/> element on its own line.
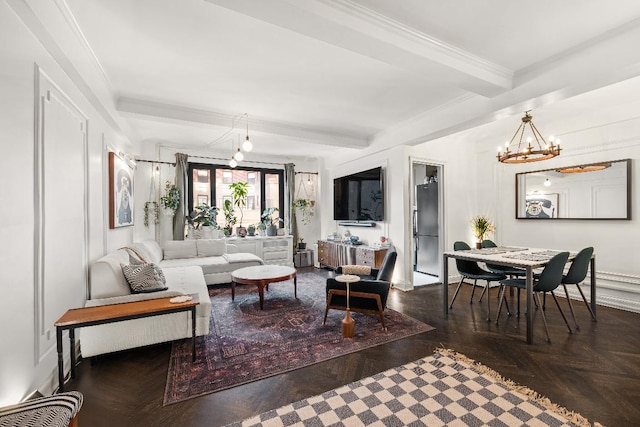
<point x="594" y="371"/>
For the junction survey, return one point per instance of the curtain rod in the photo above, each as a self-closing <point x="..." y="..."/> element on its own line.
<point x="154" y="161"/>
<point x="226" y="160"/>
<point x="308" y="173"/>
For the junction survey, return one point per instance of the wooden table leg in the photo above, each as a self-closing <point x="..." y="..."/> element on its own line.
<point x="530" y="305"/>
<point x="60" y="359"/>
<point x="233" y="290"/>
<point x="445" y="282"/>
<point x="295" y="287"/>
<point x="261" y="287"/>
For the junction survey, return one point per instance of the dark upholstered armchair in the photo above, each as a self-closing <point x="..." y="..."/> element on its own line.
<point x="368" y="295"/>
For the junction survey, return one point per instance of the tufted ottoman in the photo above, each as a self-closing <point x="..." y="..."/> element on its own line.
<point x="59" y="410"/>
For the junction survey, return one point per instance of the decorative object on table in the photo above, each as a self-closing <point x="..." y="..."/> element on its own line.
<point x="348" y="324"/>
<point x="305" y="207"/>
<point x="435" y="390"/>
<point x="301" y="244"/>
<point x="368" y="295"/>
<point x="521" y="153"/>
<point x="239" y="192"/>
<point x="251" y="230"/>
<point x="171" y="199"/>
<point x="253" y="346"/>
<point x="482" y="227"/>
<point x="121" y="199"/>
<point x="204" y="217"/>
<point x="229" y="217"/>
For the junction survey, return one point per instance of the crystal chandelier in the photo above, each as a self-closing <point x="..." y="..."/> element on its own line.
<point x="519" y="152"/>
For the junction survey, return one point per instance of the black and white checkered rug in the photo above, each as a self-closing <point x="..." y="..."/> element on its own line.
<point x="446" y="389"/>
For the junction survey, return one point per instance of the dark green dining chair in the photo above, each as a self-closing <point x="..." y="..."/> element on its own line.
<point x="576" y="274"/>
<point x="510" y="272"/>
<point x="471" y="270"/>
<point x="547" y="281"/>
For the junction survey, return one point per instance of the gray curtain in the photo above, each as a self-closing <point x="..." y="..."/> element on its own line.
<point x="289" y="195"/>
<point x="181" y="182"/>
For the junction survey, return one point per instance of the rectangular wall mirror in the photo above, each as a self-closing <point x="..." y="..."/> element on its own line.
<point x="591" y="191"/>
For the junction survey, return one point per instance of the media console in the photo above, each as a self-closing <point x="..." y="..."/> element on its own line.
<point x="335" y="254"/>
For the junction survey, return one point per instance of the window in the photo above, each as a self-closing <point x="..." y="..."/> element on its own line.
<point x="211" y="182"/>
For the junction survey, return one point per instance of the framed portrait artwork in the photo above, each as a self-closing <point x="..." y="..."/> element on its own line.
<point x="120" y="192"/>
<point x="542" y="206"/>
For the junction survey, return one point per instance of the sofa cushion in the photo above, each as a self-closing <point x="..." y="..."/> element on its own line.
<point x="144" y="278"/>
<point x="175" y="249"/>
<point x="154" y="250"/>
<point x="187" y="262"/>
<point x="242" y="257"/>
<point x="211" y="247"/>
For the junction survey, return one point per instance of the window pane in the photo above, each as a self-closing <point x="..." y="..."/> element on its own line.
<point x="272" y="192"/>
<point x="251" y="212"/>
<point x="201" y="186"/>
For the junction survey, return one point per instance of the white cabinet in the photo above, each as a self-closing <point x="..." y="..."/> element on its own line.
<point x="272" y="249"/>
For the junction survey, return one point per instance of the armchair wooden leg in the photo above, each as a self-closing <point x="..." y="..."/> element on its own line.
<point x="380" y="312"/>
<point x="74" y="421"/>
<point x="326" y="310"/>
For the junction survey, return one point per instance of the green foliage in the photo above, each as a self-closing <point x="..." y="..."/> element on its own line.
<point x="171" y="198"/>
<point x="205" y="216"/>
<point x="229" y="214"/>
<point x="239" y="192"/>
<point x="305" y="206"/>
<point x="482" y="227"/>
<point x="151" y="207"/>
<point x="266" y="219"/>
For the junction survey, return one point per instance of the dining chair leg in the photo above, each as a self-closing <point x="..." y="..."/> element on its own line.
<point x="593" y="316"/>
<point x="473" y="291"/>
<point x="486" y="289"/>
<point x="544" y="319"/>
<point x="566" y="322"/>
<point x="518" y="299"/>
<point x="455" y="294"/>
<point x="573" y="314"/>
<point x="503" y="288"/>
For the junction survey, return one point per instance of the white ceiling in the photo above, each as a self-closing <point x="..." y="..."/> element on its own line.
<point x="318" y="76"/>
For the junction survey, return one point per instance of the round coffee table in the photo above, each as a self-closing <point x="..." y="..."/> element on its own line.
<point x="261" y="276"/>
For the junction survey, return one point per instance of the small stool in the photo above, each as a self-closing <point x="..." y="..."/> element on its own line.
<point x="59" y="410"/>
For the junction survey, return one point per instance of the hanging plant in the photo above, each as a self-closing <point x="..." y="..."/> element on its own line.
<point x="171" y="198"/>
<point x="151" y="208"/>
<point x="305" y="206"/>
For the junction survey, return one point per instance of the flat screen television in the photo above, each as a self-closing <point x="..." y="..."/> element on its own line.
<point x="359" y="196"/>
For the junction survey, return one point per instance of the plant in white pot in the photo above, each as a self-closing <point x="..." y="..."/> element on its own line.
<point x="270" y="223"/>
<point x="239" y="192"/>
<point x="205" y="218"/>
<point x="229" y="217"/>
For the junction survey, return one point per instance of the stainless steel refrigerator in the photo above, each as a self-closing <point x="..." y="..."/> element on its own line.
<point x="425" y="229"/>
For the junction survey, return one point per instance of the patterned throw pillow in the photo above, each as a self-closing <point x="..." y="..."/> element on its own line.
<point x="144" y="278"/>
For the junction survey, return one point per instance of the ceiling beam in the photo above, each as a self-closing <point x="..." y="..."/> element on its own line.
<point x="348" y="25"/>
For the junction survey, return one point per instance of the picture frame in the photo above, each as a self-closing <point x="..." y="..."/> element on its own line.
<point x="542" y="206"/>
<point x="121" y="192"/>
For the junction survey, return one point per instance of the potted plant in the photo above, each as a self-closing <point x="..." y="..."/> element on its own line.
<point x="204" y="217"/>
<point x="305" y="206"/>
<point x="251" y="229"/>
<point x="301" y="244"/>
<point x="482" y="227"/>
<point x="239" y="192"/>
<point x="269" y="223"/>
<point x="171" y="199"/>
<point x="229" y="217"/>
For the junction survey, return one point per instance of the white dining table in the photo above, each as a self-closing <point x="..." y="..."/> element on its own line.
<point x="527" y="259"/>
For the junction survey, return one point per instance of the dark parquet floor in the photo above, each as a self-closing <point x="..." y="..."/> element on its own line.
<point x="595" y="371"/>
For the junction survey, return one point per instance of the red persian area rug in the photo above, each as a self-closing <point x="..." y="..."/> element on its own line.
<point x="246" y="344"/>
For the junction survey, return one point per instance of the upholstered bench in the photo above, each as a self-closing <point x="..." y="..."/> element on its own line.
<point x="59" y="410"/>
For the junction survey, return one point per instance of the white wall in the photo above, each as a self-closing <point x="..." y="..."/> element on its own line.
<point x="28" y="358"/>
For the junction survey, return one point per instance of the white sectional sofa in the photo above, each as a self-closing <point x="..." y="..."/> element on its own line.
<point x="188" y="266"/>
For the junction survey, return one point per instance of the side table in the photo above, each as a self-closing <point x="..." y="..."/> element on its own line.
<point x="348" y="324"/>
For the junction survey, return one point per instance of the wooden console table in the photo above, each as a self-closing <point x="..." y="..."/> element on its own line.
<point x="335" y="254"/>
<point x="90" y="316"/>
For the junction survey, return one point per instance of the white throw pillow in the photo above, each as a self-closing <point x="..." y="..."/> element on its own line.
<point x="211" y="247"/>
<point x="175" y="249"/>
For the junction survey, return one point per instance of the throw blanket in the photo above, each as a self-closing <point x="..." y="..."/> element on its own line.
<point x="136" y="253"/>
<point x="359" y="270"/>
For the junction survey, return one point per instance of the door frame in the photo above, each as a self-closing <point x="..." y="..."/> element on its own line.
<point x="440" y="167"/>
